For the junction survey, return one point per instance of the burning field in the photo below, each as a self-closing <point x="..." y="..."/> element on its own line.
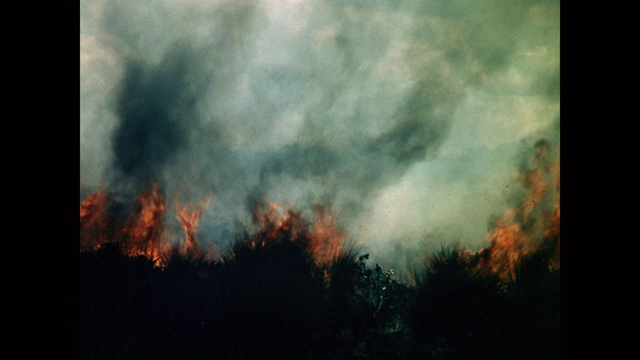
<point x="319" y="180"/>
<point x="294" y="288"/>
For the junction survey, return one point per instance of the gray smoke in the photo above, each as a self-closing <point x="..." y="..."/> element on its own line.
<point x="407" y="117"/>
<point x="156" y="110"/>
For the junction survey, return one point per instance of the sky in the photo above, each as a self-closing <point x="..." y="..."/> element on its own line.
<point x="411" y="120"/>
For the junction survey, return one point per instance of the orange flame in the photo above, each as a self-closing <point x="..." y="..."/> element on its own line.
<point x="189" y="220"/>
<point x="143" y="230"/>
<point x="553" y="227"/>
<point x="92" y="226"/>
<point x="518" y="233"/>
<point x="326" y="239"/>
<point x="322" y="239"/>
<point x="276" y="228"/>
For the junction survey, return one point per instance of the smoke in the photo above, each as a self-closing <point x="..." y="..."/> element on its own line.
<point x="408" y="118"/>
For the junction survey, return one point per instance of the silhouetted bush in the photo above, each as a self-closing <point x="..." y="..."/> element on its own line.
<point x="455" y="304"/>
<point x="462" y="310"/>
<point x="270" y="299"/>
<point x="273" y="298"/>
<point x="115" y="290"/>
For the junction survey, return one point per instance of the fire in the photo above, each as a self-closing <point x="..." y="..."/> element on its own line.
<point x="92" y="226"/>
<point x="326" y="239"/>
<point x="276" y="228"/>
<point x="518" y="233"/>
<point x="91" y="208"/>
<point x="189" y="220"/>
<point x="507" y="245"/>
<point x="143" y="230"/>
<point x="322" y="239"/>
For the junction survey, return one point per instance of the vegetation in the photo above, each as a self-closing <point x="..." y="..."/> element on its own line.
<point x="271" y="300"/>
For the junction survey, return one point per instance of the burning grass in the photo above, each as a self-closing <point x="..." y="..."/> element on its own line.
<point x="268" y="296"/>
<point x="291" y="289"/>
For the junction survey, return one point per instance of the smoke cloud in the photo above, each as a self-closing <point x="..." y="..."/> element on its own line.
<point x="409" y="118"/>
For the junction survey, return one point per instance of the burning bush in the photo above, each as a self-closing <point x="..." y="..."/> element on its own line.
<point x="292" y="289"/>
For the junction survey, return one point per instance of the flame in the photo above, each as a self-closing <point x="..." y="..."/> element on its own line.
<point x="326" y="239"/>
<point x="518" y="233"/>
<point x="507" y="246"/>
<point x="189" y="220"/>
<point x="144" y="232"/>
<point x="92" y="226"/>
<point x="322" y="239"/>
<point x="275" y="228"/>
<point x="144" y="229"/>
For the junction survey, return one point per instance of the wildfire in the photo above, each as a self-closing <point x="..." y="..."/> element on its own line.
<point x="92" y="226"/>
<point x="276" y="228"/>
<point x="323" y="240"/>
<point x="143" y="230"/>
<point x="326" y="239"/>
<point x="518" y="233"/>
<point x="189" y="222"/>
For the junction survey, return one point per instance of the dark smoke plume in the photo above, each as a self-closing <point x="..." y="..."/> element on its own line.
<point x="406" y="115"/>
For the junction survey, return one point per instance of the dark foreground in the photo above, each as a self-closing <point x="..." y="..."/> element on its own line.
<point x="274" y="302"/>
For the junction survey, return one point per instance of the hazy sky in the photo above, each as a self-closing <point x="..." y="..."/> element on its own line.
<point x="411" y="119"/>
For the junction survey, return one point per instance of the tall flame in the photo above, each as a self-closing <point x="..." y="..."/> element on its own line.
<point x="518" y="233"/>
<point x="189" y="219"/>
<point x="326" y="239"/>
<point x="144" y="229"/>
